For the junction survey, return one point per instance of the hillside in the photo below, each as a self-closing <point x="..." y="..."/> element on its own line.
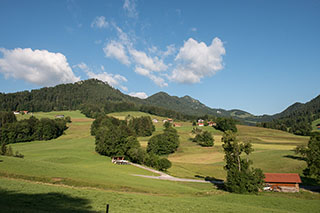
<point x="63" y="97"/>
<point x="191" y="106"/>
<point x="67" y="175"/>
<point x="297" y="118"/>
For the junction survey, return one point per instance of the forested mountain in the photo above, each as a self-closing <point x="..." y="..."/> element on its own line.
<point x="64" y="97"/>
<point x="191" y="106"/>
<point x="297" y="118"/>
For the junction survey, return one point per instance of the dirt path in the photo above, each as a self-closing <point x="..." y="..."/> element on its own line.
<point x="164" y="176"/>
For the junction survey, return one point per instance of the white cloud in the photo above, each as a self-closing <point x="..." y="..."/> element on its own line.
<point x="116" y="50"/>
<point x="100" y="22"/>
<point x="113" y="80"/>
<point x="142" y="71"/>
<point x="141" y="95"/>
<point x="197" y="60"/>
<point x="170" y="50"/>
<point x="36" y="66"/>
<point x="157" y="80"/>
<point x="153" y="64"/>
<point x="130" y="7"/>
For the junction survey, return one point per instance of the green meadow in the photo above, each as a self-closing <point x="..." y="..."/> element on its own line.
<point x="67" y="175"/>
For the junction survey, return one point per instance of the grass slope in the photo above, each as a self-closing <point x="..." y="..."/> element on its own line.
<point x="66" y="175"/>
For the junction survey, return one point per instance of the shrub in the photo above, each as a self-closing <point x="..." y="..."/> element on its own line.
<point x="204" y="139"/>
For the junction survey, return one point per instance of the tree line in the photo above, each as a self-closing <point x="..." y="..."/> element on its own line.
<point x="13" y="131"/>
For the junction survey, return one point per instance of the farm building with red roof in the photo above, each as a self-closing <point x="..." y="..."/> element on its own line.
<point x="284" y="182"/>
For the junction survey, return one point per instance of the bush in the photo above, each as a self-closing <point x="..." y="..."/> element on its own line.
<point x="204" y="139"/>
<point x="163" y="164"/>
<point x="156" y="162"/>
<point x="225" y="124"/>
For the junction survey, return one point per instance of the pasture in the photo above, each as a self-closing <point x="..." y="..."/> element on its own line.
<point x="66" y="174"/>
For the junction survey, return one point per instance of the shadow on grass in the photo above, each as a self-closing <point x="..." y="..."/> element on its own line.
<point x="219" y="183"/>
<point x="12" y="201"/>
<point x="295" y="157"/>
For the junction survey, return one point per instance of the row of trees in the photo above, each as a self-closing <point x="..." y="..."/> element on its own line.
<point x="13" y="131"/>
<point x="116" y="137"/>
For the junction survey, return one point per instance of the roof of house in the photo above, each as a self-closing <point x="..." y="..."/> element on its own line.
<point x="282" y="178"/>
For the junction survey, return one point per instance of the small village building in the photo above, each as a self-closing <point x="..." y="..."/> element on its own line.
<point x="24" y="112"/>
<point x="165" y="120"/>
<point x="154" y="120"/>
<point x="16" y="112"/>
<point x="170" y="120"/>
<point x="119" y="160"/>
<point x="200" y="124"/>
<point x="282" y="182"/>
<point x="59" y="116"/>
<point x="177" y="125"/>
<point x="318" y="127"/>
<point x="200" y="121"/>
<point x="211" y="123"/>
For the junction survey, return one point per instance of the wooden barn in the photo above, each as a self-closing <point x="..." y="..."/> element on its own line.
<point x="282" y="182"/>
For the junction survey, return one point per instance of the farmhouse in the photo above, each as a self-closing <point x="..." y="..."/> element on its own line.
<point x="200" y="124"/>
<point x="210" y="123"/>
<point x="59" y="116"/>
<point x="176" y="125"/>
<point x="16" y="112"/>
<point x="282" y="182"/>
<point x="155" y="121"/>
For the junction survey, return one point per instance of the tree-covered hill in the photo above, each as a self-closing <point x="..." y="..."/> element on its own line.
<point x="297" y="118"/>
<point x="64" y="97"/>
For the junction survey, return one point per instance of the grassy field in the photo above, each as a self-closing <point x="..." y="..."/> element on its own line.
<point x="67" y="175"/>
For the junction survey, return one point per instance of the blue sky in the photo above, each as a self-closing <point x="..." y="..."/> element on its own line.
<point x="258" y="56"/>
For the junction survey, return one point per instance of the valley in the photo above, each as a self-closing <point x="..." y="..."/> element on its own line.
<point x="69" y="167"/>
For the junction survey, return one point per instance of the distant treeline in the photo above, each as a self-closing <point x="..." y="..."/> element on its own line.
<point x="13" y="131"/>
<point x="94" y="110"/>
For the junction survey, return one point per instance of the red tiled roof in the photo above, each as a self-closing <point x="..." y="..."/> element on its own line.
<point x="282" y="178"/>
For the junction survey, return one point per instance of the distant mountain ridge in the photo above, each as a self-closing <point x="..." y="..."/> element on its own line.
<point x="72" y="96"/>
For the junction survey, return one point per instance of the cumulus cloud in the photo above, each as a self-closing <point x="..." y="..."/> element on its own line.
<point x="116" y="50"/>
<point x="141" y="95"/>
<point x="196" y="60"/>
<point x="100" y="22"/>
<point x="114" y="80"/>
<point x="39" y="67"/>
<point x="130" y="7"/>
<point x="153" y="64"/>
